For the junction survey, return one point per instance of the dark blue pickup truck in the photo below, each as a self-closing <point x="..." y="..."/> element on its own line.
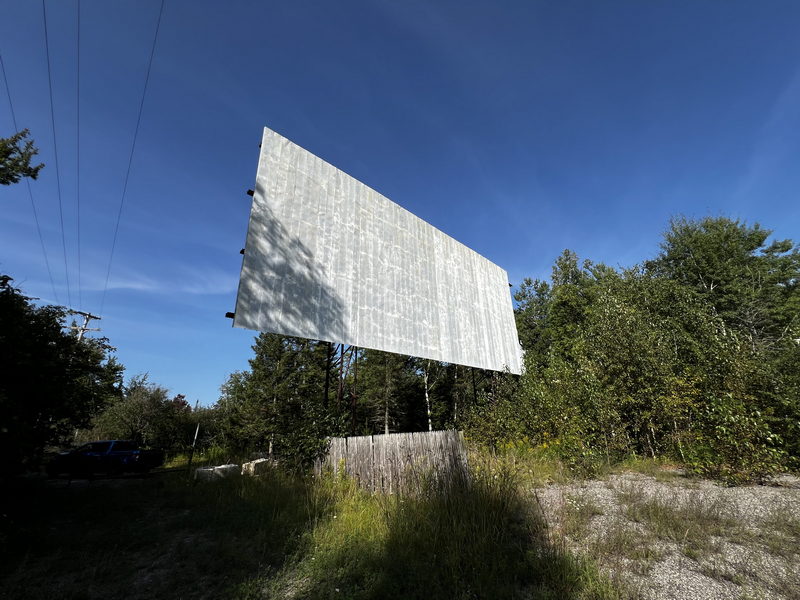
<point x="107" y="456"/>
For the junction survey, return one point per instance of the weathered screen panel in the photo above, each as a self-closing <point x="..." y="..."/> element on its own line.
<point x="329" y="258"/>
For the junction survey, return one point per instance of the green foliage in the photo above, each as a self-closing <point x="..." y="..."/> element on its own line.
<point x="693" y="356"/>
<point x="52" y="384"/>
<point x="456" y="391"/>
<point x="146" y="415"/>
<point x="16" y="153"/>
<point x="733" y="442"/>
<point x="500" y="419"/>
<point x="279" y="407"/>
<point x="390" y="393"/>
<point x="753" y="286"/>
<point x="533" y="303"/>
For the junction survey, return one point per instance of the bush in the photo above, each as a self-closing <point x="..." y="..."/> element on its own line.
<point x="733" y="443"/>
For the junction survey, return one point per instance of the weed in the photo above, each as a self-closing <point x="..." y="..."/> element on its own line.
<point x="460" y="538"/>
<point x="779" y="533"/>
<point x="531" y="466"/>
<point x="722" y="574"/>
<point x="577" y="514"/>
<point x="214" y="455"/>
<point x="753" y="595"/>
<point x="151" y="536"/>
<point x="658" y="468"/>
<point x="630" y="494"/>
<point x="287" y="536"/>
<point x="693" y="522"/>
<point x="621" y="540"/>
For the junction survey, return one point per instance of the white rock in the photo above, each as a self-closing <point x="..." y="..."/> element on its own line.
<point x="256" y="467"/>
<point x="204" y="474"/>
<point x="220" y="472"/>
<point x="227" y="470"/>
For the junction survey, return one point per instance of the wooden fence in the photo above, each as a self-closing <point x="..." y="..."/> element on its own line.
<point x="397" y="461"/>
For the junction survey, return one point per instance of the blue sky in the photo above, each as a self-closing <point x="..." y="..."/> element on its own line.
<point x="519" y="128"/>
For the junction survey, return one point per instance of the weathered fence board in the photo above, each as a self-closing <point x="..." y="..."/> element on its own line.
<point x="397" y="461"/>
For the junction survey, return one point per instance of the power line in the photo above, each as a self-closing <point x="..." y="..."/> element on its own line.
<point x="55" y="151"/>
<point x="78" y="151"/>
<point x="130" y="159"/>
<point x="28" y="184"/>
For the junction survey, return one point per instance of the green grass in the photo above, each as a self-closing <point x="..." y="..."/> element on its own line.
<point x="532" y="466"/>
<point x="723" y="574"/>
<point x="578" y="512"/>
<point x="660" y="469"/>
<point x="780" y="533"/>
<point x="464" y="538"/>
<point x="696" y="524"/>
<point x="618" y="546"/>
<point x="201" y="458"/>
<point x="149" y="537"/>
<point x="620" y="541"/>
<point x="282" y="536"/>
<point x="539" y="466"/>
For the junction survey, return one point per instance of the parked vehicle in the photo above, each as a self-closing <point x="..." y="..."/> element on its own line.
<point x="105" y="456"/>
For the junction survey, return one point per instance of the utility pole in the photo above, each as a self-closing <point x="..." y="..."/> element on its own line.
<point x="328" y="357"/>
<point x="194" y="441"/>
<point x="86" y="318"/>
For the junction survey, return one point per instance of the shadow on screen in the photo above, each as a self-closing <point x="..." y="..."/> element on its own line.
<point x="283" y="288"/>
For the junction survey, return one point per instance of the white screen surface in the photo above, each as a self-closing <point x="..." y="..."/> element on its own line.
<point x="329" y="258"/>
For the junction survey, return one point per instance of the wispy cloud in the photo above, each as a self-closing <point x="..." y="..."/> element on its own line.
<point x="207" y="281"/>
<point x="776" y="141"/>
<point x="171" y="279"/>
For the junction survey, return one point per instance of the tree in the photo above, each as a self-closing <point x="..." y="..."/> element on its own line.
<point x="146" y="415"/>
<point x="434" y="378"/>
<point x="633" y="362"/>
<point x="392" y="394"/>
<point x="532" y="311"/>
<point x="16" y="153"/>
<point x="755" y="287"/>
<point x="279" y="406"/>
<point x="52" y="384"/>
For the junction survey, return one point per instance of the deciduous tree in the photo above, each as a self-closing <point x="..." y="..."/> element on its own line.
<point x="16" y="154"/>
<point x="52" y="384"/>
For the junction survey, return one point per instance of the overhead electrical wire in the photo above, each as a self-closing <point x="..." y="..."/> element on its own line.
<point x="28" y="185"/>
<point x="78" y="150"/>
<point x="130" y="158"/>
<point x="55" y="151"/>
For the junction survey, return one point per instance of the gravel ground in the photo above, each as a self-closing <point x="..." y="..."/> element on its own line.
<point x="673" y="537"/>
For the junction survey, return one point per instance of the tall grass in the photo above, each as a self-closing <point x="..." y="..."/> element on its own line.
<point x="153" y="537"/>
<point x="214" y="455"/>
<point x="473" y="536"/>
<point x="280" y="536"/>
<point x="696" y="523"/>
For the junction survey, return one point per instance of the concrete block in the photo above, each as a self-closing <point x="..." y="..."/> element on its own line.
<point x="223" y="471"/>
<point x="204" y="474"/>
<point x="220" y="472"/>
<point x="256" y="467"/>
